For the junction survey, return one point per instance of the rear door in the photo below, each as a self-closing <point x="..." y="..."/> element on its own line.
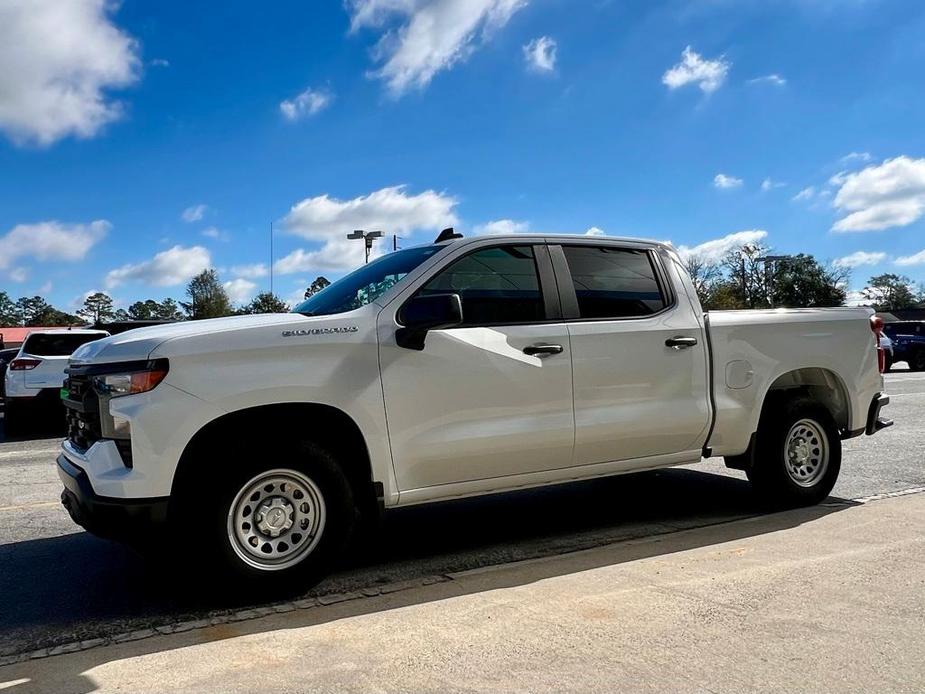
<point x="479" y="402"/>
<point x="638" y="356"/>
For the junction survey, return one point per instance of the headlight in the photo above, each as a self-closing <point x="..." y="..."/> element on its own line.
<point x="117" y="385"/>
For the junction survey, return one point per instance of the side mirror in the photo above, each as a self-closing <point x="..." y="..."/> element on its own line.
<point x="424" y="313"/>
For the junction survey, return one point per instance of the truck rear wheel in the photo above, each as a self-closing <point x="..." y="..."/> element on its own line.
<point x="279" y="526"/>
<point x="797" y="454"/>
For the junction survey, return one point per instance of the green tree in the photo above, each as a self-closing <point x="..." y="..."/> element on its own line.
<point x="31" y="309"/>
<point x="97" y="308"/>
<point x="748" y="276"/>
<point x="168" y="310"/>
<point x="316" y="286"/>
<point x="799" y="281"/>
<point x="52" y="317"/>
<point x="890" y="292"/>
<point x="149" y="309"/>
<point x="208" y="298"/>
<point x="9" y="315"/>
<point x="121" y="315"/>
<point x="265" y="302"/>
<point x="143" y="310"/>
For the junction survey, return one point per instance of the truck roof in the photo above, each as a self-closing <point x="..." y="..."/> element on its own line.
<point x="533" y="237"/>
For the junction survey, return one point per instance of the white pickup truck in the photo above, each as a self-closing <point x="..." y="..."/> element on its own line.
<point x="465" y="367"/>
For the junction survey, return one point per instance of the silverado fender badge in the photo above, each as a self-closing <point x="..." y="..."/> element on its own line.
<point x="320" y="331"/>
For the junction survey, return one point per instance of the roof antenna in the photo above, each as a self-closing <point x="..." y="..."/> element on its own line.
<point x="447" y="234"/>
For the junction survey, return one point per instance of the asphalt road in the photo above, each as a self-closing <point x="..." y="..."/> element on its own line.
<point x="60" y="585"/>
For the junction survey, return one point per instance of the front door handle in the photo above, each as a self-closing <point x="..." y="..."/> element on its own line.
<point x="680" y="342"/>
<point x="542" y="349"/>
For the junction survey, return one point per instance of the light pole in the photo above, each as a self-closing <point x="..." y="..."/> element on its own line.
<point x="767" y="280"/>
<point x="368" y="238"/>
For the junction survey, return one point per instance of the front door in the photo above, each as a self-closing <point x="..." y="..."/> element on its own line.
<point x="479" y="401"/>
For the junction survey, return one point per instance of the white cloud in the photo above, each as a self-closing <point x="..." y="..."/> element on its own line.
<point x="770" y="184"/>
<point x="46" y="288"/>
<point x="891" y="194"/>
<point x="860" y="258"/>
<point x="915" y="259"/>
<point x="807" y="193"/>
<point x="166" y="269"/>
<point x="215" y="233"/>
<point x="709" y="75"/>
<point x="253" y="271"/>
<point x="306" y="104"/>
<point x="329" y="220"/>
<point x="240" y="290"/>
<point x="714" y="250"/>
<point x="541" y="54"/>
<point x="773" y="79"/>
<point x="851" y="157"/>
<point x="50" y="241"/>
<point x="58" y="59"/>
<point x="595" y="231"/>
<point x="19" y="274"/>
<point x="725" y="182"/>
<point x="501" y="227"/>
<point x="194" y="213"/>
<point x="422" y="37"/>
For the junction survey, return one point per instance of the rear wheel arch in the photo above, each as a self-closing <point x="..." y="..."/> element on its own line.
<point x="818" y="384"/>
<point x="323" y="425"/>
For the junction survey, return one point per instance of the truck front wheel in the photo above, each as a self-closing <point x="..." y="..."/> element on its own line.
<point x="797" y="454"/>
<point x="278" y="527"/>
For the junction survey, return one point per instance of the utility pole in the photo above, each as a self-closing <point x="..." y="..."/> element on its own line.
<point x="769" y="273"/>
<point x="368" y="237"/>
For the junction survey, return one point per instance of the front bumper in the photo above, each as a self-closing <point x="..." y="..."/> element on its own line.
<point x="106" y="516"/>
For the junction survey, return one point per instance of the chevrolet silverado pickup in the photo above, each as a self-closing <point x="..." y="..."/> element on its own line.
<point x="464" y="367"/>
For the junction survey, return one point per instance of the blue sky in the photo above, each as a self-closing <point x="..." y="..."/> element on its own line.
<point x="144" y="141"/>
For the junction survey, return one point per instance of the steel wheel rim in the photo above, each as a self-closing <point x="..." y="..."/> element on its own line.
<point x="806" y="453"/>
<point x="276" y="519"/>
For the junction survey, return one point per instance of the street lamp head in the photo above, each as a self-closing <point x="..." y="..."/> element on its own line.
<point x="358" y="234"/>
<point x="374" y="234"/>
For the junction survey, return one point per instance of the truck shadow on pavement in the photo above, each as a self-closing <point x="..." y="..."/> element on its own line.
<point x="76" y="587"/>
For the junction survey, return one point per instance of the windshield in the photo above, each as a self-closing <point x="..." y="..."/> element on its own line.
<point x="364" y="285"/>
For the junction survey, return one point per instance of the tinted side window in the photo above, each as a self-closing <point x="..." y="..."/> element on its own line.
<point x="613" y="282"/>
<point x="497" y="285"/>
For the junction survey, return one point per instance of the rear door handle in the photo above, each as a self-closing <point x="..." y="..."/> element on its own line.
<point x="542" y="349"/>
<point x="680" y="342"/>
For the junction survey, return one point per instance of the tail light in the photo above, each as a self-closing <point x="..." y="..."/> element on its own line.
<point x="24" y="364"/>
<point x="876" y="326"/>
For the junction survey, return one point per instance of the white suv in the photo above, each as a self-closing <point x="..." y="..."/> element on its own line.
<point x="36" y="374"/>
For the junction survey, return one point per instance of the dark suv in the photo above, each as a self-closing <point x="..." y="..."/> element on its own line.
<point x="908" y="342"/>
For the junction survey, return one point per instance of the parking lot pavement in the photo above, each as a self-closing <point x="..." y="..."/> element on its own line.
<point x="821" y="599"/>
<point x="60" y="586"/>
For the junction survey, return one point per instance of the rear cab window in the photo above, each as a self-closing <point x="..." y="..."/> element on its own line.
<point x="57" y="344"/>
<point x="614" y="282"/>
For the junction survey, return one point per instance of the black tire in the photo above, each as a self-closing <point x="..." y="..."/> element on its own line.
<point x="12" y="419"/>
<point x="774" y="474"/>
<point x="225" y="484"/>
<point x="917" y="360"/>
